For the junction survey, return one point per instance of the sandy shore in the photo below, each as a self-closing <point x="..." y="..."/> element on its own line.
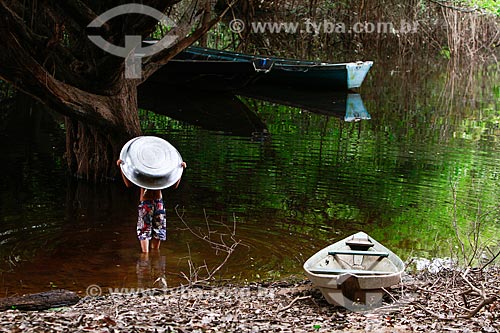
<point x="450" y="301"/>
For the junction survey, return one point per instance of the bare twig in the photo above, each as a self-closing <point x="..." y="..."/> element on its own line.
<point x="474" y="288"/>
<point x="431" y="291"/>
<point x="296" y="299"/>
<point x="390" y="295"/>
<point x="220" y="245"/>
<point x="455" y="224"/>
<point x="478" y="308"/>
<point x="490" y="261"/>
<point x="475" y="232"/>
<point x="440" y="317"/>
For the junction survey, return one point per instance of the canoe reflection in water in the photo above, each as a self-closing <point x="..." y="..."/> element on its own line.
<point x="345" y="105"/>
<point x="225" y="112"/>
<point x="220" y="111"/>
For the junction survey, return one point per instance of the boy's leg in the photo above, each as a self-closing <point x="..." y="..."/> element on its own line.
<point x="159" y="225"/>
<point x="144" y="245"/>
<point x="155" y="243"/>
<point x="144" y="224"/>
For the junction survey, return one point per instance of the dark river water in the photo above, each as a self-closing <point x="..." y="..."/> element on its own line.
<point x="284" y="168"/>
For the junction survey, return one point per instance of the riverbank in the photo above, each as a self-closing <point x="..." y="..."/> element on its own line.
<point x="450" y="300"/>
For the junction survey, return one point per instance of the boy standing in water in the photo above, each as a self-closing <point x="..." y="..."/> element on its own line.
<point x="151" y="222"/>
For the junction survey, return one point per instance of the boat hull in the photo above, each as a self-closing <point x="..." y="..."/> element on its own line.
<point x="345" y="276"/>
<point x="205" y="74"/>
<point x="327" y="76"/>
<point x="357" y="300"/>
<point x="225" y="70"/>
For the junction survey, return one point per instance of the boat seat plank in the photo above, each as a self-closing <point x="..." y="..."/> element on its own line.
<point x="345" y="271"/>
<point x="360" y="253"/>
<point x="359" y="244"/>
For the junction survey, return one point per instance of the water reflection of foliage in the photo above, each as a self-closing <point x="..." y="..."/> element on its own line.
<point x="405" y="159"/>
<point x="465" y="119"/>
<point x="442" y="100"/>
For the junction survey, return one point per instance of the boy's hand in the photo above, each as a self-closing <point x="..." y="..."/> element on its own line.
<point x="184" y="165"/>
<point x="118" y="162"/>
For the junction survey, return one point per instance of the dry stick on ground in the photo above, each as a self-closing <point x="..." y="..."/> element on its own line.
<point x="390" y="294"/>
<point x="218" y="245"/>
<point x="296" y="299"/>
<point x="433" y="314"/>
<point x="485" y="300"/>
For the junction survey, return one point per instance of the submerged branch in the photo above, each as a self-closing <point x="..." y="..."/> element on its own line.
<point x="162" y="57"/>
<point x="455" y="222"/>
<point x="221" y="245"/>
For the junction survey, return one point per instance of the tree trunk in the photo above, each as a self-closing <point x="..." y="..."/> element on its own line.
<point x="98" y="122"/>
<point x="92" y="150"/>
<point x="54" y="62"/>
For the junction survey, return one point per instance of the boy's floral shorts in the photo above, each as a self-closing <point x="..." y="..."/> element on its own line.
<point x="152" y="222"/>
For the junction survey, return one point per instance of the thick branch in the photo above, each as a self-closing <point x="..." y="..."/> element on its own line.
<point x="161" y="58"/>
<point x="14" y="33"/>
<point x="19" y="68"/>
<point x="25" y="35"/>
<point x="80" y="12"/>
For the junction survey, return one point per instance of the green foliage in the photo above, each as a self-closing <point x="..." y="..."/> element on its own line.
<point x="496" y="92"/>
<point x="491" y="6"/>
<point x="6" y="90"/>
<point x="445" y="52"/>
<point x="160" y="31"/>
<point x="220" y="37"/>
<point x="472" y="221"/>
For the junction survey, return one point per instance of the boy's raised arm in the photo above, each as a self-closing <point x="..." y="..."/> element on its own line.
<point x="184" y="165"/>
<point x="125" y="180"/>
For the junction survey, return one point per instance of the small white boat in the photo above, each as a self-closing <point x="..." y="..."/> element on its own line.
<point x="354" y="271"/>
